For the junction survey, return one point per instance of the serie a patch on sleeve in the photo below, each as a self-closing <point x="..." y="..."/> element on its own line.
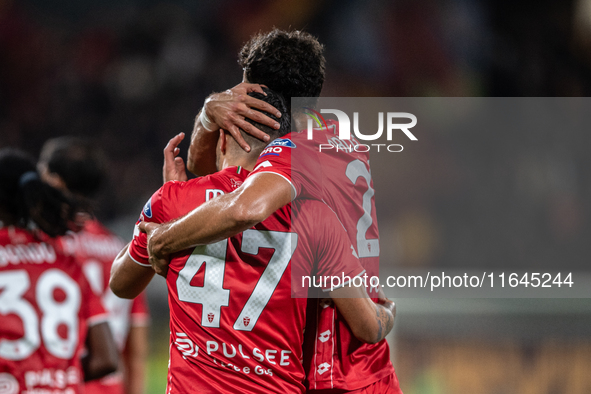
<point x="284" y="142"/>
<point x="148" y="209"/>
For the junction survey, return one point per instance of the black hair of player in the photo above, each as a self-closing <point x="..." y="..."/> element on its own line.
<point x="79" y="162"/>
<point x="24" y="196"/>
<point x="291" y="63"/>
<point x="277" y="101"/>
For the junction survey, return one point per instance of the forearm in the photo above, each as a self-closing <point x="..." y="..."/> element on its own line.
<point x="219" y="219"/>
<point x="369" y="322"/>
<point x="224" y="216"/>
<point x="385" y="314"/>
<point x="128" y="279"/>
<point x="201" y="159"/>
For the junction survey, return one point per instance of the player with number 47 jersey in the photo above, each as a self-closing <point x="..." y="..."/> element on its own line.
<point x="340" y="177"/>
<point x="234" y="324"/>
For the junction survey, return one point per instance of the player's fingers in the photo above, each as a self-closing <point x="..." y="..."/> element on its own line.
<point x="155" y="266"/>
<point x="252" y="102"/>
<point x="254" y="131"/>
<point x="171" y="148"/>
<point x="174" y="142"/>
<point x="181" y="174"/>
<point x="163" y="267"/>
<point x="235" y="132"/>
<point x="170" y="151"/>
<point x="259" y="117"/>
<point x="160" y="268"/>
<point x="147" y="227"/>
<point x="254" y="87"/>
<point x="161" y="273"/>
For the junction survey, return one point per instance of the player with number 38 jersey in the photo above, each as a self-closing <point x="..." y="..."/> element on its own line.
<point x="48" y="313"/>
<point x="46" y="306"/>
<point x="234" y="325"/>
<point x="339" y="176"/>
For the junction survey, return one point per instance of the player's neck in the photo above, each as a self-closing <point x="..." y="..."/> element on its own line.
<point x="245" y="161"/>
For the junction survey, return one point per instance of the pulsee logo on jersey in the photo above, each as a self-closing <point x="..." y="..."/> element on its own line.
<point x="349" y="143"/>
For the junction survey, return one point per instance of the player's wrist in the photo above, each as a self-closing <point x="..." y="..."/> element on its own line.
<point x="206" y="122"/>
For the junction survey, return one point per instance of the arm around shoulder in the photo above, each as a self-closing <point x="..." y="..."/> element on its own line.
<point x="259" y="197"/>
<point x="226" y="215"/>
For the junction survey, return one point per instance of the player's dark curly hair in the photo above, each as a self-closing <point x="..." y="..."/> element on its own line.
<point x="24" y="197"/>
<point x="79" y="162"/>
<point x="277" y="101"/>
<point x="291" y="63"/>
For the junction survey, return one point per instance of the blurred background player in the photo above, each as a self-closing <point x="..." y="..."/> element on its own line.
<point x="49" y="316"/>
<point x="293" y="64"/>
<point x="77" y="167"/>
<point x="251" y="276"/>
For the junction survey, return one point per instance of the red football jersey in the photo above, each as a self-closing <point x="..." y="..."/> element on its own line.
<point x="95" y="247"/>
<point x="234" y="326"/>
<point x="341" y="178"/>
<point x="46" y="307"/>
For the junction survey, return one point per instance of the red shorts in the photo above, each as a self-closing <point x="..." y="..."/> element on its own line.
<point x="387" y="385"/>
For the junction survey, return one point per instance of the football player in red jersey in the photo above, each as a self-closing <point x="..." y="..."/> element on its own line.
<point x="48" y="313"/>
<point x="235" y="326"/>
<point x="77" y="167"/>
<point x="293" y="64"/>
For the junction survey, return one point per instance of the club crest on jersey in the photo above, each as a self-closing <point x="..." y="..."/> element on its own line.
<point x="284" y="142"/>
<point x="210" y="317"/>
<point x="148" y="209"/>
<point x="246" y="321"/>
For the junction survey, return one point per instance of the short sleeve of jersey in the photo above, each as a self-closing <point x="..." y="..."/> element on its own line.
<point x="154" y="211"/>
<point x="293" y="158"/>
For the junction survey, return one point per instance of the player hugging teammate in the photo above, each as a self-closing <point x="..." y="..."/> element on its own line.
<point x="231" y="244"/>
<point x="235" y="326"/>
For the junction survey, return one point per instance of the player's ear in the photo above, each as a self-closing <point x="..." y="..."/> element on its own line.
<point x="223" y="142"/>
